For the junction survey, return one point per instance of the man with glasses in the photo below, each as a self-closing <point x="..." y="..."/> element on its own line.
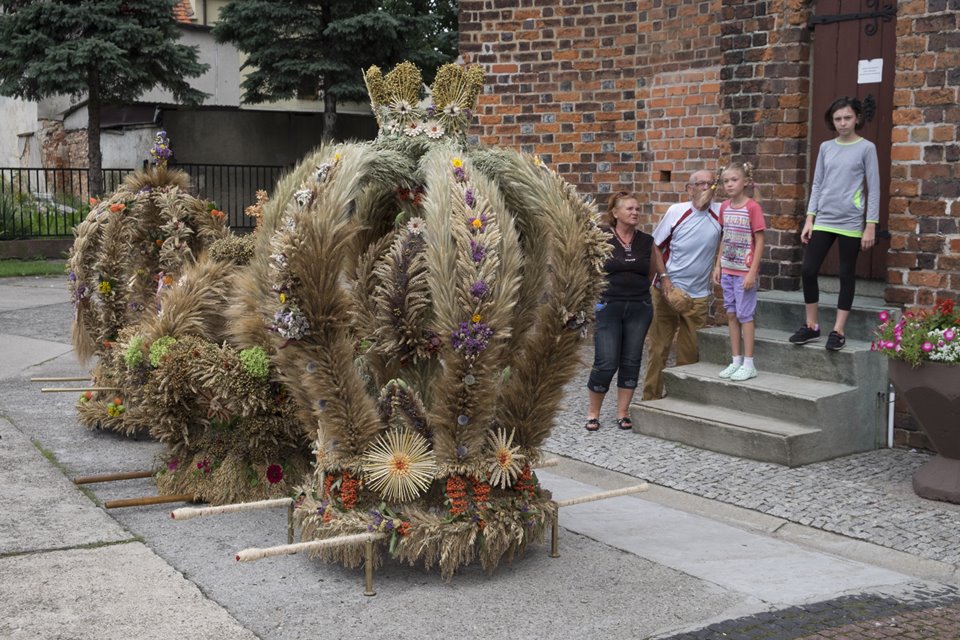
<point x="688" y="235"/>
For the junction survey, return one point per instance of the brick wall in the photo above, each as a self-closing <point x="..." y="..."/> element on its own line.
<point x="923" y="265"/>
<point x="562" y="82"/>
<point x="638" y="95"/>
<point x="765" y="87"/>
<point x="924" y="260"/>
<point x="59" y="147"/>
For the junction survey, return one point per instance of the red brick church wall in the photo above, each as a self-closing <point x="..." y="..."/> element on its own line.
<point x="638" y="95"/>
<point x="923" y="265"/>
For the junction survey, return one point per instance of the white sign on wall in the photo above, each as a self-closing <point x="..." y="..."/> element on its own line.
<point x="869" y="71"/>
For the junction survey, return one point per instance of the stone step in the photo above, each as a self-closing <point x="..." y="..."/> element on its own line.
<point x="732" y="432"/>
<point x="784" y="311"/>
<point x="775" y="354"/>
<point x="811" y="403"/>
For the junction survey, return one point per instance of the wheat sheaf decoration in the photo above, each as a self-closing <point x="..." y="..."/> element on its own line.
<point x="132" y="245"/>
<point x="425" y="303"/>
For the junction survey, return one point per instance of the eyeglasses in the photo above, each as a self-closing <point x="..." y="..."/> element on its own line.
<point x="703" y="184"/>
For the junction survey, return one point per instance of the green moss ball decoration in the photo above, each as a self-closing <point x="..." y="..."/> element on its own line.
<point x="133" y="356"/>
<point x="159" y="349"/>
<point x="255" y="362"/>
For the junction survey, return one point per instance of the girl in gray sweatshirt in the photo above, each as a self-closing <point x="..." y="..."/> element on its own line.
<point x="844" y="207"/>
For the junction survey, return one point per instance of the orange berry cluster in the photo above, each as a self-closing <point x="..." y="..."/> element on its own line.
<point x="349" y="487"/>
<point x="457" y="495"/>
<point x="525" y="483"/>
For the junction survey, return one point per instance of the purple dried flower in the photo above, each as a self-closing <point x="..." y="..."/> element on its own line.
<point x="469" y="198"/>
<point x="459" y="174"/>
<point x="477" y="251"/>
<point x="471" y="338"/>
<point x="479" y="289"/>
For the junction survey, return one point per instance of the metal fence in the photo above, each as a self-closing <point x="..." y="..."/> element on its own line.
<point x="44" y="203"/>
<point x="232" y="186"/>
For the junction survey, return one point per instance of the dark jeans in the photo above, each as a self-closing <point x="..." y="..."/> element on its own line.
<point x="618" y="339"/>
<point x="817" y="248"/>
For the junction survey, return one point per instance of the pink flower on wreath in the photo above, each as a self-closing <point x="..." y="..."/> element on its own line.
<point x="274" y="474"/>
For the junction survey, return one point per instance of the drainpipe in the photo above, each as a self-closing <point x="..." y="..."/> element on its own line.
<point x="891" y="400"/>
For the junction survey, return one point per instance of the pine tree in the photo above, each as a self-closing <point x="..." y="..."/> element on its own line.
<point x="300" y="48"/>
<point x="109" y="50"/>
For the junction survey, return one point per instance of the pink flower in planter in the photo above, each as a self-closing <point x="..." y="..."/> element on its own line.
<point x="884" y="316"/>
<point x="949" y="335"/>
<point x="927" y="346"/>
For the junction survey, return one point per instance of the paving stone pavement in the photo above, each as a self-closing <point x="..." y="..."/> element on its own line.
<point x="867" y="496"/>
<point x="922" y="613"/>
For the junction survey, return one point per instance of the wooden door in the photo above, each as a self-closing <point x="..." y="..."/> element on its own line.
<point x="846" y="32"/>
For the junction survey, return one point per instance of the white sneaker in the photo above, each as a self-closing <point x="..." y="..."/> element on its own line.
<point x="743" y="373"/>
<point x="730" y="370"/>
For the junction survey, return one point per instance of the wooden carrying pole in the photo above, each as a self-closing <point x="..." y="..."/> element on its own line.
<point x="142" y="502"/>
<point x="248" y="555"/>
<point x="186" y="513"/>
<point x="603" y="495"/>
<point x="569" y="502"/>
<point x="62" y="379"/>
<point x="110" y="477"/>
<point x="76" y="389"/>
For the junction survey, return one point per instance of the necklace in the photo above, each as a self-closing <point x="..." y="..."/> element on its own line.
<point x="627" y="246"/>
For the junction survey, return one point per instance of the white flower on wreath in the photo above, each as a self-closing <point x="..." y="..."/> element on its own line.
<point x="415" y="225"/>
<point x="303" y="197"/>
<point x="401" y="108"/>
<point x="434" y="130"/>
<point x="322" y="171"/>
<point x="452" y="109"/>
<point x="412" y="129"/>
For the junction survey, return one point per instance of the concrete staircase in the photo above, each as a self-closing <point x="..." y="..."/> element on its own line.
<point x="806" y="405"/>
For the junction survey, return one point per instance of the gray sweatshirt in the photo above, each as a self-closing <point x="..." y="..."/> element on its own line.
<point x="836" y="197"/>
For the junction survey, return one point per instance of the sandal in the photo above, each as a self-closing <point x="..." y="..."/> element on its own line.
<point x="593" y="424"/>
<point x="625" y="423"/>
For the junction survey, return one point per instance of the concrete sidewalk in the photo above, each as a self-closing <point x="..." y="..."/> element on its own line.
<point x="671" y="561"/>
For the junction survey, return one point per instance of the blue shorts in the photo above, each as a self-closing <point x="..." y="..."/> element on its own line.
<point x="736" y="300"/>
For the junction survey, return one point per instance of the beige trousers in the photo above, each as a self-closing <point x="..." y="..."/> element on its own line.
<point x="667" y="323"/>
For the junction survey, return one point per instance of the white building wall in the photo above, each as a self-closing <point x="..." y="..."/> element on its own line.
<point x="18" y="117"/>
<point x="127" y="148"/>
<point x="221" y="81"/>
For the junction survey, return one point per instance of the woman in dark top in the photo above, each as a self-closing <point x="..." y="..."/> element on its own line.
<point x="625" y="310"/>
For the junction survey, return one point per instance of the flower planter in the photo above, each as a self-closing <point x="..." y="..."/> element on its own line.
<point x="932" y="395"/>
